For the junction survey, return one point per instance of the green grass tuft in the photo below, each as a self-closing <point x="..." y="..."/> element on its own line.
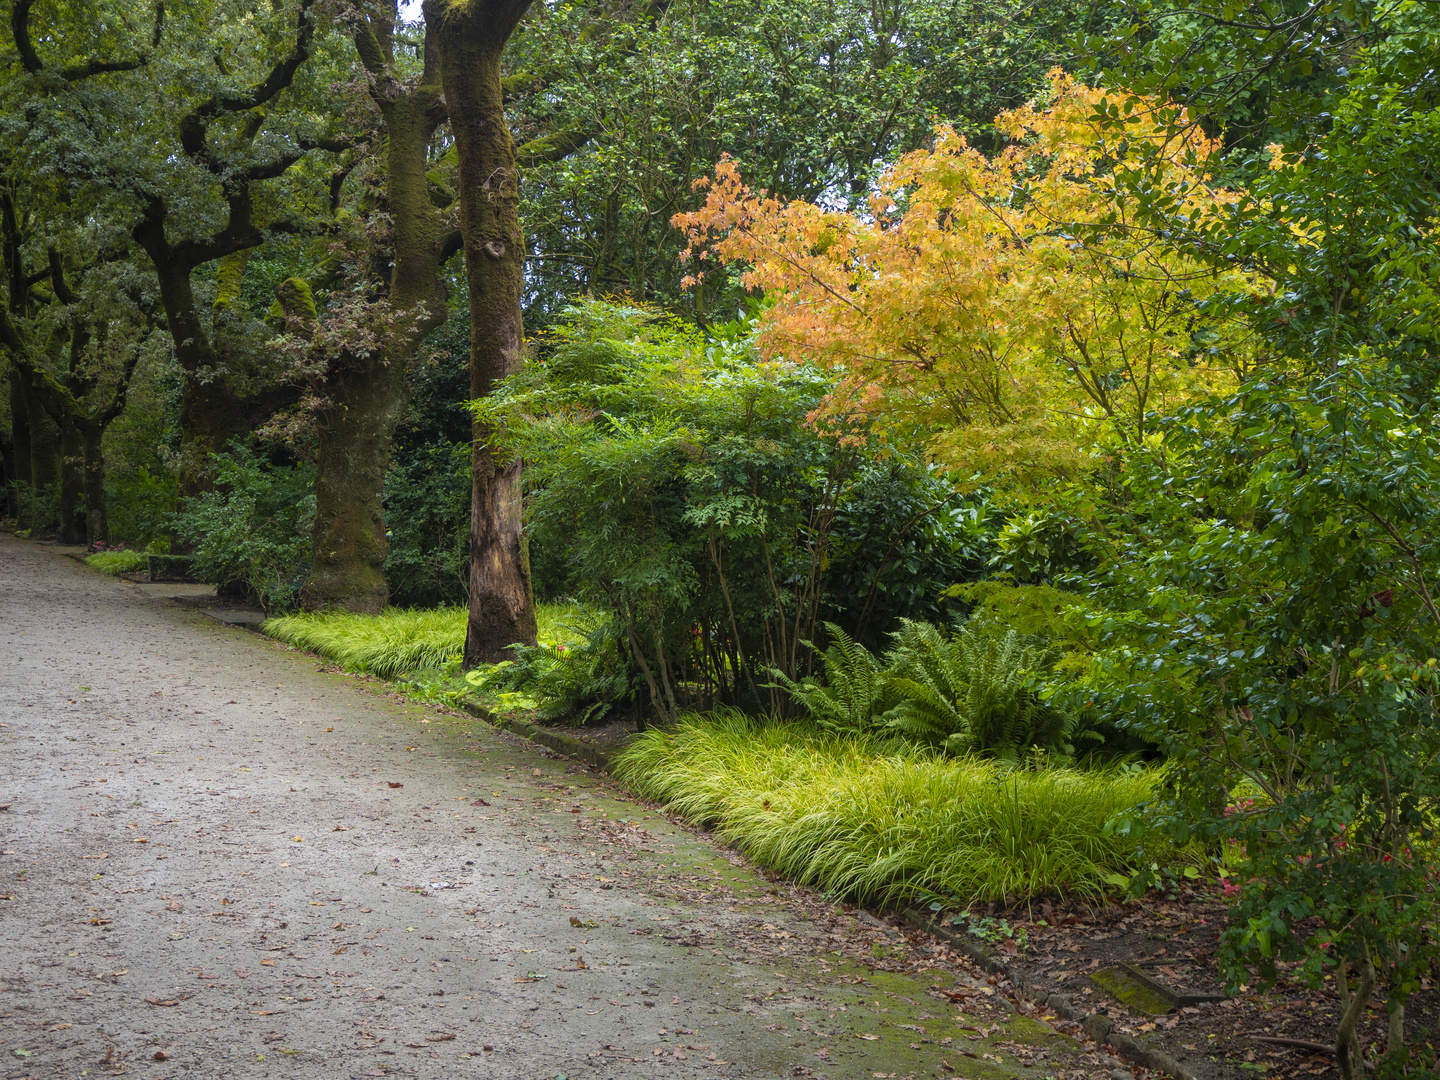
<point x="397" y="641"/>
<point x="885" y="824"/>
<point x="117" y="562"/>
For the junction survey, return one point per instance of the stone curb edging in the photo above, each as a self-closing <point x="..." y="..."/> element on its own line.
<point x="564" y="744"/>
<point x="1098" y="1027"/>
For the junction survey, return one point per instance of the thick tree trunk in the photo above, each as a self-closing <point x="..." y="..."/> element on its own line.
<point x="208" y="417"/>
<point x="20" y="428"/>
<point x="348" y="568"/>
<point x="471" y="37"/>
<point x="97" y="524"/>
<point x="72" y="484"/>
<point x="368" y="396"/>
<point x="44" y="465"/>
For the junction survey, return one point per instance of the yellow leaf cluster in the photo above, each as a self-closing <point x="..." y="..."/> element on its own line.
<point x="1017" y="308"/>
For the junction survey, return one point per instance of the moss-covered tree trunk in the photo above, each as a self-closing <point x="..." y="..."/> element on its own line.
<point x="44" y="464"/>
<point x="20" y="455"/>
<point x="367" y="395"/>
<point x="209" y="416"/>
<point x="471" y="35"/>
<point x="347" y="571"/>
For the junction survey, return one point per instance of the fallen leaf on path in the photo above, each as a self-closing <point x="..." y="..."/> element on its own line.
<point x="479" y="802"/>
<point x="867" y="1037"/>
<point x="444" y="1036"/>
<point x="413" y="1046"/>
<point x="267" y="963"/>
<point x="157" y="1001"/>
<point x="392" y="783"/>
<point x="160" y="1055"/>
<point x="534" y="772"/>
<point x="102" y="855"/>
<point x="174" y="905"/>
<point x="342" y="828"/>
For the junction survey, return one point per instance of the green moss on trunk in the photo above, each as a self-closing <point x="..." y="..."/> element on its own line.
<point x="20" y="430"/>
<point x="367" y="395"/>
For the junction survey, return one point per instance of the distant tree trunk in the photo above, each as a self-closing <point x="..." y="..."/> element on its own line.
<point x="471" y="35"/>
<point x="44" y="463"/>
<point x="97" y="521"/>
<point x="19" y="477"/>
<point x="209" y="418"/>
<point x="71" y="528"/>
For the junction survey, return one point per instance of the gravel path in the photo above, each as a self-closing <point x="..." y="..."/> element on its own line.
<point x="219" y="859"/>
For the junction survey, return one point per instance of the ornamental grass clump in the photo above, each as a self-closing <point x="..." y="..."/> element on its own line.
<point x="888" y="823"/>
<point x="397" y="640"/>
<point x="116" y="562"/>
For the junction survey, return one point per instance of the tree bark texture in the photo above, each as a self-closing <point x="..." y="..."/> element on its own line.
<point x="367" y="395"/>
<point x="44" y="464"/>
<point x="347" y="571"/>
<point x="20" y="455"/>
<point x="471" y="35"/>
<point x="71" y="528"/>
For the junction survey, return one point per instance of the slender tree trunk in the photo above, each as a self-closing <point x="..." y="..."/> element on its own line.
<point x="471" y="36"/>
<point x="20" y="428"/>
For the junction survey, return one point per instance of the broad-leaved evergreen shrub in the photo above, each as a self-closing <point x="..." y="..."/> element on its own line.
<point x="254" y="528"/>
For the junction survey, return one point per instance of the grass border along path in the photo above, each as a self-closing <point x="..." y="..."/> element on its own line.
<point x="888" y="825"/>
<point x="389" y="644"/>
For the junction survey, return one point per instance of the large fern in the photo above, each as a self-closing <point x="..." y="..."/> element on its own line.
<point x="973" y="692"/>
<point x="855" y="690"/>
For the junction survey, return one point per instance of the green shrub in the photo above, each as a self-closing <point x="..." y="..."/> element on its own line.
<point x="140" y="506"/>
<point x="116" y="562"/>
<point x="883" y="823"/>
<point x="427" y="513"/>
<point x="674" y="480"/>
<point x="254" y="528"/>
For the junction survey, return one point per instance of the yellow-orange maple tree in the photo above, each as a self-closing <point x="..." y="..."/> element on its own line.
<point x="1015" y="307"/>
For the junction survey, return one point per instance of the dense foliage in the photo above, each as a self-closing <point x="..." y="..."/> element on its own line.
<point x="691" y="499"/>
<point x="966" y="427"/>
